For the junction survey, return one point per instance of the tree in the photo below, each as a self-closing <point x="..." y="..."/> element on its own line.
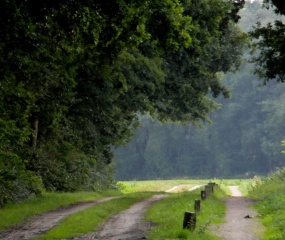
<point x="77" y="74"/>
<point x="270" y="41"/>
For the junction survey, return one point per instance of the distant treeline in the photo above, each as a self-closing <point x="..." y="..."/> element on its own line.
<point x="243" y="140"/>
<point x="245" y="136"/>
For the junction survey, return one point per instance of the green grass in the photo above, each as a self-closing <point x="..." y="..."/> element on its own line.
<point x="175" y="207"/>
<point x="270" y="195"/>
<point x="14" y="214"/>
<point x="168" y="215"/>
<point x="155" y="185"/>
<point x="17" y="213"/>
<point x="245" y="185"/>
<point x="89" y="220"/>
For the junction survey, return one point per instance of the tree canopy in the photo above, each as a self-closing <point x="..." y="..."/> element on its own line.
<point x="270" y="42"/>
<point x="75" y="74"/>
<point x="242" y="141"/>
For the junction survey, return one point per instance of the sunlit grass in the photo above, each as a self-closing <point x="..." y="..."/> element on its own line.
<point x="245" y="185"/>
<point x="17" y="213"/>
<point x="162" y="185"/>
<point x="168" y="215"/>
<point x="156" y="185"/>
<point x="89" y="220"/>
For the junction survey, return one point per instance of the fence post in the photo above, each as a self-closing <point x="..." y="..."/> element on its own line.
<point x="189" y="221"/>
<point x="197" y="206"/>
<point x="208" y="190"/>
<point x="203" y="195"/>
<point x="212" y="185"/>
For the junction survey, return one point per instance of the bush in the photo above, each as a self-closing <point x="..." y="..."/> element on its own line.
<point x="16" y="183"/>
<point x="63" y="167"/>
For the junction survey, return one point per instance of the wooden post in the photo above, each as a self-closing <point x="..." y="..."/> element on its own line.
<point x="208" y="190"/>
<point x="197" y="206"/>
<point x="212" y="185"/>
<point x="189" y="221"/>
<point x="203" y="195"/>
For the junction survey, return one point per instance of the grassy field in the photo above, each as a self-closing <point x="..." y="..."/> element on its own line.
<point x="156" y="185"/>
<point x="162" y="185"/>
<point x="165" y="213"/>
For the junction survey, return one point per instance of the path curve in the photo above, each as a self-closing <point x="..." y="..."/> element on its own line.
<point x="173" y="189"/>
<point x="41" y="223"/>
<point x="128" y="224"/>
<point x="241" y="222"/>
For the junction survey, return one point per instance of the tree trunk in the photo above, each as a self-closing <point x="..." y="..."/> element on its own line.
<point x="35" y="132"/>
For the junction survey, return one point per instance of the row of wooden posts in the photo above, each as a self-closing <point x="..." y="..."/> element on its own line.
<point x="190" y="218"/>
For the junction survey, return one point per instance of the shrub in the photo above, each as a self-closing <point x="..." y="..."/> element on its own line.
<point x="270" y="193"/>
<point x="16" y="183"/>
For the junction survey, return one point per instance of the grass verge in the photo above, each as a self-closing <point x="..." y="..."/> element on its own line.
<point x="270" y="195"/>
<point x="17" y="213"/>
<point x="245" y="185"/>
<point x="168" y="215"/>
<point x="89" y="220"/>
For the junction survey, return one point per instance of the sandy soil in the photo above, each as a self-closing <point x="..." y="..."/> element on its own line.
<point x="241" y="222"/>
<point x="39" y="224"/>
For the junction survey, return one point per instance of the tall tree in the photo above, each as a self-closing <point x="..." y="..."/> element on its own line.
<point x="75" y="75"/>
<point x="270" y="41"/>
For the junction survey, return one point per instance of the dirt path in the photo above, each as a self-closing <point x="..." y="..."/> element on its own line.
<point x="39" y="224"/>
<point x="183" y="187"/>
<point x="127" y="225"/>
<point x="241" y="222"/>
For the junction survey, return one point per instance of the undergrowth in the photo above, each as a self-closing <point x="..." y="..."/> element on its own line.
<point x="270" y="193"/>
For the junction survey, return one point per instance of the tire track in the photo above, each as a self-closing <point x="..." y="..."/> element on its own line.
<point x="128" y="224"/>
<point x="41" y="223"/>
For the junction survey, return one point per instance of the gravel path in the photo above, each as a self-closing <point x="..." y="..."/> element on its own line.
<point x="241" y="222"/>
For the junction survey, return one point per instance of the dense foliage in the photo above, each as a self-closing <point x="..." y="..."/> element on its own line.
<point x="243" y="139"/>
<point x="75" y="74"/>
<point x="270" y="40"/>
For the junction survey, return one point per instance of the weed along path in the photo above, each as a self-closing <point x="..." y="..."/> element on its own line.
<point x="241" y="222"/>
<point x="127" y="225"/>
<point x="41" y="223"/>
